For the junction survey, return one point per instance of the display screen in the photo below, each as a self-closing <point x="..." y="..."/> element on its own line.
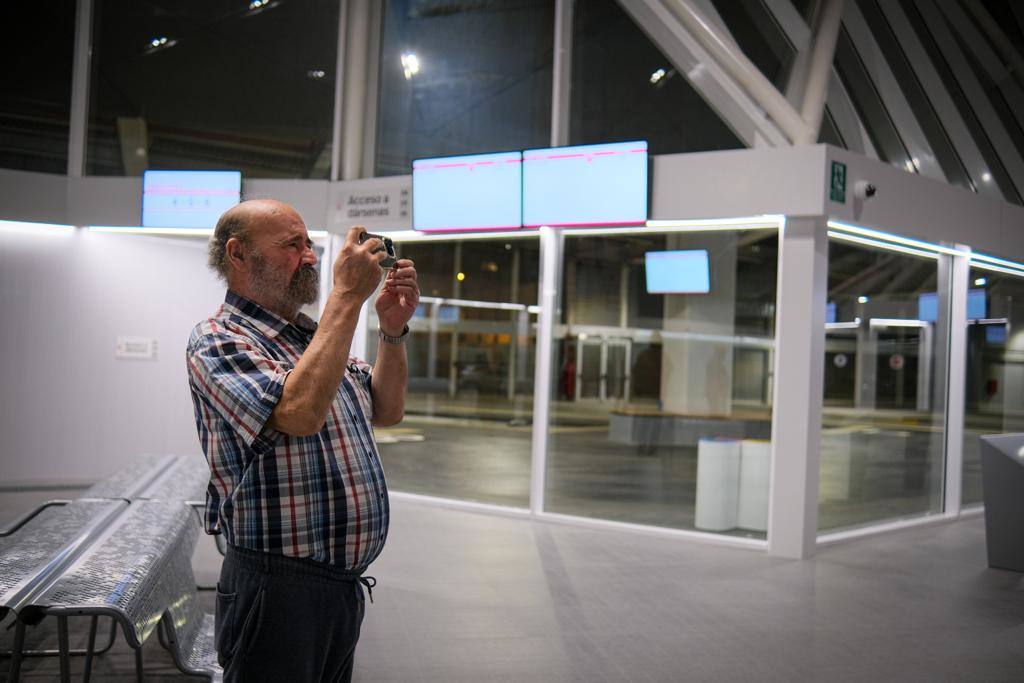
<point x="188" y="199"/>
<point x="586" y="185"/>
<point x="678" y="272"/>
<point x="928" y="306"/>
<point x="830" y="312"/>
<point x="995" y="334"/>
<point x="478" y="192"/>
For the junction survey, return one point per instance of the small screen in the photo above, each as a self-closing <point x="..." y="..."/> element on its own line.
<point x="586" y="185"/>
<point x="188" y="199"/>
<point x="830" y="312"/>
<point x="995" y="334"/>
<point x="928" y="306"/>
<point x="477" y="192"/>
<point x="678" y="272"/>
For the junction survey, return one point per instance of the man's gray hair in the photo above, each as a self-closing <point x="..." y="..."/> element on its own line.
<point x="231" y="224"/>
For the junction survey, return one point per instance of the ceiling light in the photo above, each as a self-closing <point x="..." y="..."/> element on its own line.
<point x="657" y="76"/>
<point x="981" y="282"/>
<point x="986" y="177"/>
<point x="410" y="65"/>
<point x="316" y="74"/>
<point x="862" y="299"/>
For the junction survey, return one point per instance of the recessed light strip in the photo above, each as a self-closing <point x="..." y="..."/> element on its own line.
<point x="889" y="237"/>
<point x="881" y="245"/>
<point x="29" y="228"/>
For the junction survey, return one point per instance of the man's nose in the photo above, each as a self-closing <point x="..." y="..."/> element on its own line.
<point x="309" y="257"/>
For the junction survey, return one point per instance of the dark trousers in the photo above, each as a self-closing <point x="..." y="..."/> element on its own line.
<point x="286" y="619"/>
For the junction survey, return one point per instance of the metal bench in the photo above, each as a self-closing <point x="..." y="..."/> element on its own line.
<point x="45" y="546"/>
<point x="139" y="572"/>
<point x="108" y="558"/>
<point x="134" y="478"/>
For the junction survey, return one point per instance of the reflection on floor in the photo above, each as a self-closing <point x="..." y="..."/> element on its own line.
<point x="465" y="597"/>
<point x="875" y="466"/>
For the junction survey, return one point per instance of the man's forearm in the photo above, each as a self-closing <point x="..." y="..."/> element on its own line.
<point x="390" y="377"/>
<point x="313" y="383"/>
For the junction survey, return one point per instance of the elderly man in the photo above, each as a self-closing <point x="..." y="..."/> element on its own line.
<point x="284" y="414"/>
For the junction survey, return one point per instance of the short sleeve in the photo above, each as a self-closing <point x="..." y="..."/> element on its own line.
<point x="360" y="373"/>
<point x="241" y="383"/>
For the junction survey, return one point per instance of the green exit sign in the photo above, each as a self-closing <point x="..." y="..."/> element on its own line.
<point x="837" y="188"/>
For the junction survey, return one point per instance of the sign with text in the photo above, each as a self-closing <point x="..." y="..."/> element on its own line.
<point x="379" y="203"/>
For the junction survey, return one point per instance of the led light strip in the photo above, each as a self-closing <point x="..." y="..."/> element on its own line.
<point x="998" y="265"/>
<point x="843" y="326"/>
<point x="46" y="229"/>
<point x="414" y="236"/>
<point x="897" y="322"/>
<point x="709" y="225"/>
<point x="881" y="245"/>
<point x="889" y="237"/>
<point x="176" y="232"/>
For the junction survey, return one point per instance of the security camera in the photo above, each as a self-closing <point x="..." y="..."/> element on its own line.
<point x="862" y="189"/>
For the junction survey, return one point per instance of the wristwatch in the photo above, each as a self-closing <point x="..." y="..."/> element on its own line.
<point x="400" y="339"/>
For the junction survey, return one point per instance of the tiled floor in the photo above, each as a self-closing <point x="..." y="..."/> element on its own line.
<point x="469" y="597"/>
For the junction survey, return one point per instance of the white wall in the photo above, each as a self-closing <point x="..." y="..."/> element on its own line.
<point x="71" y="412"/>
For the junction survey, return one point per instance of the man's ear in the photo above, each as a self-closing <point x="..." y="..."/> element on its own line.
<point x="235" y="251"/>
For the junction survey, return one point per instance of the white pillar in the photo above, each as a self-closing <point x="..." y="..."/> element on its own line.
<point x="797" y="401"/>
<point x="696" y="374"/>
<point x="957" y="379"/>
<point x="551" y="246"/>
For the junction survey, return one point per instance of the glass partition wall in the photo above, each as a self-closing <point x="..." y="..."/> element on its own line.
<point x="467" y="428"/>
<point x="660" y="405"/>
<point x="994" y="383"/>
<point x="883" y="425"/>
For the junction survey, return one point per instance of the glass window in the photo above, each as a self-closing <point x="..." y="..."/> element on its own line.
<point x="868" y="103"/>
<point x="213" y="84"/>
<point x="459" y="78"/>
<point x="661" y="410"/>
<point x="37" y="49"/>
<point x="917" y="98"/>
<point x="883" y="431"/>
<point x="995" y="367"/>
<point x="624" y="88"/>
<point x="467" y="430"/>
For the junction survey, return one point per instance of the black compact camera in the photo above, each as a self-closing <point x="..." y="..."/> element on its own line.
<point x="389" y="247"/>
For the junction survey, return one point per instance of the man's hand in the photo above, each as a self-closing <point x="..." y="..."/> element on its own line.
<point x="357" y="269"/>
<point x="398" y="298"/>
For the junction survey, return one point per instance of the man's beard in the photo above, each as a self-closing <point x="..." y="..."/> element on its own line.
<point x="277" y="290"/>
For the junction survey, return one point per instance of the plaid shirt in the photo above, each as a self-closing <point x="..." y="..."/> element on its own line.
<point x="321" y="497"/>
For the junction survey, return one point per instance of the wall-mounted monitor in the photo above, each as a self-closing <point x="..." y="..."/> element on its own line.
<point x="188" y="199"/>
<point x="587" y="185"/>
<point x="476" y="192"/>
<point x="928" y="306"/>
<point x="678" y="272"/>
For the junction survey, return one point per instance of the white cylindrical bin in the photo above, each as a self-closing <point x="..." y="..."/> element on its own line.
<point x="718" y="474"/>
<point x="755" y="468"/>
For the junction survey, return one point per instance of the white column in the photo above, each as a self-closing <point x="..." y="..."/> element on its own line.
<point x="957" y="379"/>
<point x="357" y="26"/>
<point x="696" y="374"/>
<point x="561" y="73"/>
<point x="78" y="123"/>
<point x="797" y="400"/>
<point x="551" y="244"/>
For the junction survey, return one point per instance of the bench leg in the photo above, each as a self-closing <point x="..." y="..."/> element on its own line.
<point x="89" y="649"/>
<point x="138" y="665"/>
<point x="73" y="653"/>
<point x="65" y="657"/>
<point x="19" y="645"/>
